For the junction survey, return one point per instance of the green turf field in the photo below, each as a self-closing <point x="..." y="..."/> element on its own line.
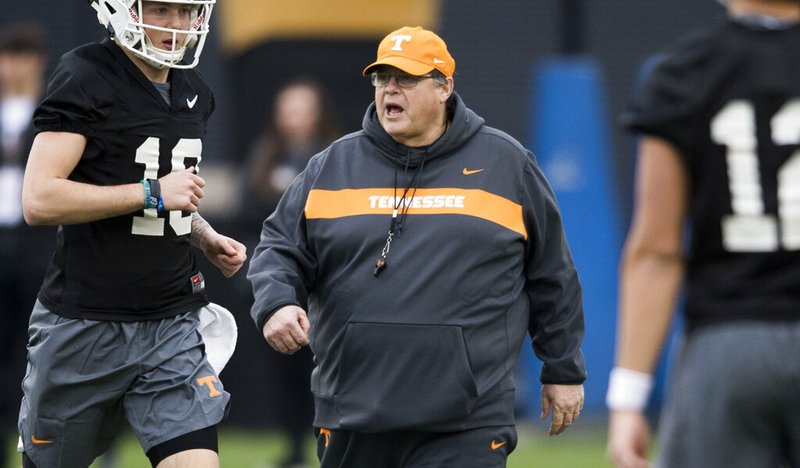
<point x="583" y="446"/>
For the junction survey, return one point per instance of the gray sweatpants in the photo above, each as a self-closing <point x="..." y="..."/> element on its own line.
<point x="482" y="447"/>
<point x="734" y="400"/>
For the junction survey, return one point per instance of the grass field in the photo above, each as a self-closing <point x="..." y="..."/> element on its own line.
<point x="583" y="446"/>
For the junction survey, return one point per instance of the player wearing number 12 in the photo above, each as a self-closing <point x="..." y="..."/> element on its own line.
<point x="114" y="333"/>
<point x="720" y="154"/>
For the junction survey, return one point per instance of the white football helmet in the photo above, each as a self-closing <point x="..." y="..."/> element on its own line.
<point x="123" y="18"/>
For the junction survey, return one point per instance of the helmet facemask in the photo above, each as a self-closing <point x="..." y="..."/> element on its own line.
<point x="123" y="18"/>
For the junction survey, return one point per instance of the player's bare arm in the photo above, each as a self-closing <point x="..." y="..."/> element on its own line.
<point x="629" y="439"/>
<point x="225" y="253"/>
<point x="651" y="262"/>
<point x="652" y="258"/>
<point x="49" y="197"/>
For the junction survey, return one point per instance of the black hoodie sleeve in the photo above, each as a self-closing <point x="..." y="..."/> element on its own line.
<point x="556" y="322"/>
<point x="283" y="269"/>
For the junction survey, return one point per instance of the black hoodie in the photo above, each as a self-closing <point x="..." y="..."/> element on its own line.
<point x="431" y="342"/>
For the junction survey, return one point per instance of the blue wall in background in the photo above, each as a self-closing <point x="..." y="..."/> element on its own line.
<point x="569" y="135"/>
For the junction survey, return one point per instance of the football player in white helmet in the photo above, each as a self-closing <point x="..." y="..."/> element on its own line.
<point x="122" y="332"/>
<point x="159" y="46"/>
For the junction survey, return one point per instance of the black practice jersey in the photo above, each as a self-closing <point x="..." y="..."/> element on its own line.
<point x="729" y="100"/>
<point x="140" y="265"/>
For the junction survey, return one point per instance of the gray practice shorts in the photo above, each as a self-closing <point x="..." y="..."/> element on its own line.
<point x="86" y="377"/>
<point x="734" y="400"/>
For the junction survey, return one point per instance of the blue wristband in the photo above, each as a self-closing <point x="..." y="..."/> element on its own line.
<point x="155" y="193"/>
<point x="149" y="200"/>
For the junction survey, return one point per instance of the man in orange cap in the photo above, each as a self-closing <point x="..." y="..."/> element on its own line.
<point x="412" y="257"/>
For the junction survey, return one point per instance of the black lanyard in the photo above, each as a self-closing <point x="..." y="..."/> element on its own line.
<point x="396" y="225"/>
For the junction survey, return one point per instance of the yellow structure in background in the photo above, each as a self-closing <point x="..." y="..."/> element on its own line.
<point x="245" y="23"/>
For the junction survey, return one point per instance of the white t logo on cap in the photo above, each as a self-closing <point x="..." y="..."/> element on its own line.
<point x="398" y="41"/>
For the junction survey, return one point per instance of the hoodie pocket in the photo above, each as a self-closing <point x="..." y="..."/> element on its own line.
<point x="398" y="376"/>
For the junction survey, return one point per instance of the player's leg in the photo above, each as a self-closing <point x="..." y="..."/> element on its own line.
<point x="195" y="458"/>
<point x="195" y="449"/>
<point x="791" y="347"/>
<point x="77" y="374"/>
<point x="722" y="407"/>
<point x="176" y="403"/>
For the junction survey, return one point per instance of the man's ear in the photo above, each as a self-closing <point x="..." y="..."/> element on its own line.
<point x="447" y="90"/>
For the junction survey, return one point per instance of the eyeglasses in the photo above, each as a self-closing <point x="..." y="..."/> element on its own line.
<point x="379" y="79"/>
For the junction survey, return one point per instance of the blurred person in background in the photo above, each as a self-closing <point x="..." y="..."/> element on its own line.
<point x="300" y="125"/>
<point x="24" y="251"/>
<point x="719" y="159"/>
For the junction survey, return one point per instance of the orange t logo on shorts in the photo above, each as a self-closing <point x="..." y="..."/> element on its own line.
<point x="208" y="381"/>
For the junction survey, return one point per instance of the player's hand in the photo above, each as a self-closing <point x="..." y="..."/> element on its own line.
<point x="287" y="330"/>
<point x="182" y="190"/>
<point x="628" y="438"/>
<point x="225" y="253"/>
<point x="566" y="401"/>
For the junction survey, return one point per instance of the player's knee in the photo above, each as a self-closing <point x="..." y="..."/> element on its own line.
<point x="200" y="439"/>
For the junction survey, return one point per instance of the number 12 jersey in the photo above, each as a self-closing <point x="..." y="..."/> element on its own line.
<point x="729" y="99"/>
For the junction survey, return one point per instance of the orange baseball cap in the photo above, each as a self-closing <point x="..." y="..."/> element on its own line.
<point x="416" y="51"/>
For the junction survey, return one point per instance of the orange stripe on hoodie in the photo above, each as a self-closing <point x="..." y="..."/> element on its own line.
<point x="331" y="204"/>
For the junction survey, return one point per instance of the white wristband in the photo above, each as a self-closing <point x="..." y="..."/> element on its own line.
<point x="628" y="389"/>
